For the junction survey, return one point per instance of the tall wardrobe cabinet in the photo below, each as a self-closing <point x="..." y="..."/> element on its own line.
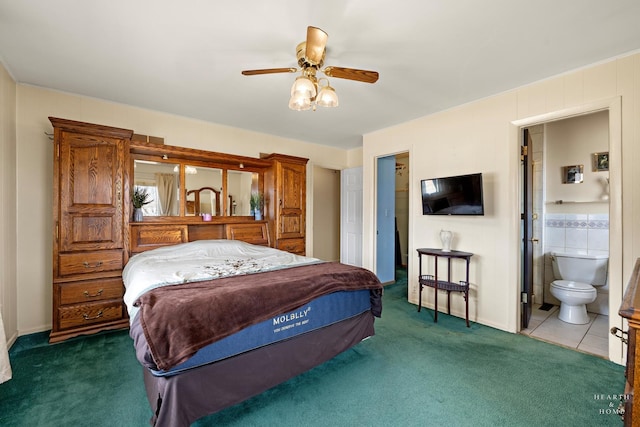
<point x="286" y="202"/>
<point x="90" y="227"/>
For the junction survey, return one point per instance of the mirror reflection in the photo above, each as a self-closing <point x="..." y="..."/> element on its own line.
<point x="204" y="191"/>
<point x="240" y="185"/>
<point x="161" y="181"/>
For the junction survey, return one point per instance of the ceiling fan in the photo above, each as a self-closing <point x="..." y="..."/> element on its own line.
<point x="308" y="90"/>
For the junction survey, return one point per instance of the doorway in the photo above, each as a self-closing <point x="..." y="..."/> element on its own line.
<point x="564" y="216"/>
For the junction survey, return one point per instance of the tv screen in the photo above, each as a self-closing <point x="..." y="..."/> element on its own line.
<point x="453" y="195"/>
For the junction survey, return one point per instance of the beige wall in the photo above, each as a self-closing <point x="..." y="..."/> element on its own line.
<point x="573" y="142"/>
<point x="35" y="170"/>
<point x="483" y="136"/>
<point x="354" y="157"/>
<point x="8" y="282"/>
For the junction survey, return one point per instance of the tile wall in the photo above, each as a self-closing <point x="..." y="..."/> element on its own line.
<point x="577" y="233"/>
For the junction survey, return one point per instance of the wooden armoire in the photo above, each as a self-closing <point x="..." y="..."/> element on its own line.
<point x="90" y="227"/>
<point x="286" y="195"/>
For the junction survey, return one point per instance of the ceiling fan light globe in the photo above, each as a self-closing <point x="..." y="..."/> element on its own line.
<point x="303" y="86"/>
<point x="327" y="97"/>
<point x="300" y="103"/>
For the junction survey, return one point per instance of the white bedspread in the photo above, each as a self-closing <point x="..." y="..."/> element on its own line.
<point x="197" y="261"/>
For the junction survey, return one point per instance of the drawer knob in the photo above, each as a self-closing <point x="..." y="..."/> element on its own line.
<point x="85" y="316"/>
<point x="623" y="334"/>
<point x="96" y="265"/>
<point x="97" y="294"/>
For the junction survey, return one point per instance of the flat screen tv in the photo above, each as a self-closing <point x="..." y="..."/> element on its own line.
<point x="453" y="195"/>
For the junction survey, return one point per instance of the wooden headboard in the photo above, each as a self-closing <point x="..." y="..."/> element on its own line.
<point x="146" y="236"/>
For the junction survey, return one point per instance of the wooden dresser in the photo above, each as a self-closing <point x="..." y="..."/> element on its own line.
<point x="286" y="189"/>
<point x="630" y="310"/>
<point x="90" y="227"/>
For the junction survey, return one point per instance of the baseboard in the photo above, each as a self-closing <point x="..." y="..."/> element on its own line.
<point x="12" y="339"/>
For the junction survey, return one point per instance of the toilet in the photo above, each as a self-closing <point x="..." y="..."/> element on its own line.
<point x="577" y="276"/>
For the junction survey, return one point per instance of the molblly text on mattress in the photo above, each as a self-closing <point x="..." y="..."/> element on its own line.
<point x="300" y="314"/>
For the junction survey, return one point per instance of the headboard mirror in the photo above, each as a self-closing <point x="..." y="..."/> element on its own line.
<point x="162" y="182"/>
<point x="204" y="191"/>
<point x="240" y="185"/>
<point x="190" y="183"/>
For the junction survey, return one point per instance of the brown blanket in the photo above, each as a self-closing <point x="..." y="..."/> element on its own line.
<point x="178" y="320"/>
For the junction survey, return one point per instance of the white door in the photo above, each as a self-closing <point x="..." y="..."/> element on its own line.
<point x="351" y="216"/>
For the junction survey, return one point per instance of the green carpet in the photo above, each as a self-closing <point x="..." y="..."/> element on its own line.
<point x="412" y="373"/>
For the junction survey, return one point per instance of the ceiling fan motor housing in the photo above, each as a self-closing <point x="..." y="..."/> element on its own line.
<point x="305" y="62"/>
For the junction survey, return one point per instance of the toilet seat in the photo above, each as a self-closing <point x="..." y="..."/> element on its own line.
<point x="570" y="285"/>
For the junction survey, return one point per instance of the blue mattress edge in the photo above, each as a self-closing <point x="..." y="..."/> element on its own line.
<point x="320" y="312"/>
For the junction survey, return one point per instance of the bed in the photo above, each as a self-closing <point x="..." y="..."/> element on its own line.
<point x="215" y="322"/>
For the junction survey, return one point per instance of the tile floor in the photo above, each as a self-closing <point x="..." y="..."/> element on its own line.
<point x="589" y="338"/>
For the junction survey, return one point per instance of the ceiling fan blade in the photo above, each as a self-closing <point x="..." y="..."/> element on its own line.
<point x="268" y="71"/>
<point x="316" y="42"/>
<point x="352" y="74"/>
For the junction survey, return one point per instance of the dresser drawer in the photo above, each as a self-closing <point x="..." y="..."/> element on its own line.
<point x="77" y="315"/>
<point x="89" y="262"/>
<point x="145" y="237"/>
<point x="88" y="291"/>
<point x="252" y="232"/>
<point x="295" y="246"/>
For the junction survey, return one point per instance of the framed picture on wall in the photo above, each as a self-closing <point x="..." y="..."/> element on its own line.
<point x="573" y="174"/>
<point x="601" y="162"/>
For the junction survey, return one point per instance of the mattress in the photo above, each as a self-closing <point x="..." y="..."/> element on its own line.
<point x="318" y="313"/>
<point x="199" y="261"/>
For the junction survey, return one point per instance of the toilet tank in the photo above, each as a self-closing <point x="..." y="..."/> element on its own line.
<point x="586" y="268"/>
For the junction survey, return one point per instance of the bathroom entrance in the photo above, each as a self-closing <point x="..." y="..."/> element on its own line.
<point x="565" y="210"/>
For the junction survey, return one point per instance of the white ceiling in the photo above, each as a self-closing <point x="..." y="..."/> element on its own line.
<point x="185" y="57"/>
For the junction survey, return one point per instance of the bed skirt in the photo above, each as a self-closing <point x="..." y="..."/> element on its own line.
<point x="181" y="399"/>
